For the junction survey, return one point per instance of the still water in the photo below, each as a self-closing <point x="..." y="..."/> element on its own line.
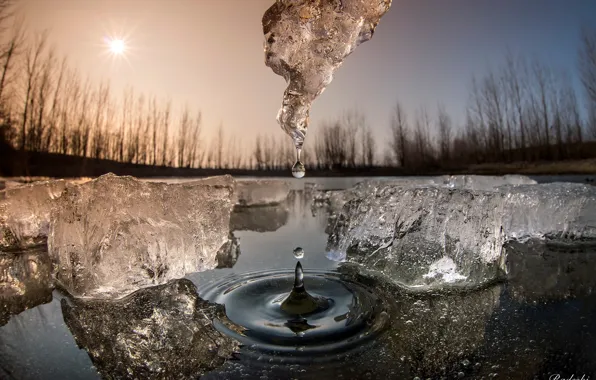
<point x="538" y="324"/>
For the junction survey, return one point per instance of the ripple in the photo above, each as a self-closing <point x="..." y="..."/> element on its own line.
<point x="350" y="314"/>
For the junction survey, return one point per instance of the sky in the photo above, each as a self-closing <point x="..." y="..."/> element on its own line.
<point x="208" y="54"/>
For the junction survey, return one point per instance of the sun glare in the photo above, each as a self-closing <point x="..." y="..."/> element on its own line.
<point x="117" y="46"/>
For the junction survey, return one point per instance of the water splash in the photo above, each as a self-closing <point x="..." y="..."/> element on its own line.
<point x="299" y="302"/>
<point x="281" y="313"/>
<point x="305" y="42"/>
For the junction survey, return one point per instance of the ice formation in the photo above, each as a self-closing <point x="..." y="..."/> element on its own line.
<point x="25" y="281"/>
<point x="335" y="199"/>
<point x="25" y="213"/>
<point x="163" y="332"/>
<point x="306" y="41"/>
<point x="116" y="234"/>
<point x="411" y="233"/>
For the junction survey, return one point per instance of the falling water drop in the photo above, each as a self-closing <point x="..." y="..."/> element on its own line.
<point x="298" y="170"/>
<point x="298" y="253"/>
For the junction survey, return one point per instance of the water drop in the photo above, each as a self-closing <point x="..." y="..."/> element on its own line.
<point x="298" y="170"/>
<point x="298" y="276"/>
<point x="299" y="302"/>
<point x="298" y="253"/>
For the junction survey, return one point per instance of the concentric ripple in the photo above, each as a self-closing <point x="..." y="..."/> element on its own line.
<point x="349" y="313"/>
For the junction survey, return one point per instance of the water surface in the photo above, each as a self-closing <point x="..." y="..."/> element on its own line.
<point x="538" y="324"/>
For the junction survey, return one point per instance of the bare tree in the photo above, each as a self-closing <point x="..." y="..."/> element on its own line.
<point x="351" y="122"/>
<point x="516" y="95"/>
<point x="333" y="151"/>
<point x="56" y="105"/>
<point x="444" y="125"/>
<point x="368" y="146"/>
<point x="8" y="54"/>
<point x="39" y="130"/>
<point x="259" y="154"/>
<point x="542" y="76"/>
<point x="194" y="157"/>
<point x="587" y="67"/>
<point x="398" y="140"/>
<point x="165" y="132"/>
<point x="220" y="146"/>
<point x="32" y="60"/>
<point x="183" y="133"/>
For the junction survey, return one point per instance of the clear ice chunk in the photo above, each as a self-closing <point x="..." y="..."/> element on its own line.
<point x="113" y="235"/>
<point x="161" y="332"/>
<point x="25" y="213"/>
<point x="433" y="236"/>
<point x="25" y="281"/>
<point x="306" y="41"/>
<point x="335" y="199"/>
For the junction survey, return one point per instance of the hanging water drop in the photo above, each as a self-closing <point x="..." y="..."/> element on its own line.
<point x="298" y="253"/>
<point x="298" y="170"/>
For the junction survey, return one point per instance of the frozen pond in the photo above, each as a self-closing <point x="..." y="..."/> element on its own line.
<point x="539" y="321"/>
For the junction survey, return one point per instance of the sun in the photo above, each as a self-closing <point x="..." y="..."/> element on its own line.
<point x="117" y="46"/>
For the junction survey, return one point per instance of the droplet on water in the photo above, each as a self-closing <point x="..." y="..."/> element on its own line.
<point x="299" y="302"/>
<point x="298" y="253"/>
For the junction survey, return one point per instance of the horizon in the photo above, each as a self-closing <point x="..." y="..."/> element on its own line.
<point x="423" y="54"/>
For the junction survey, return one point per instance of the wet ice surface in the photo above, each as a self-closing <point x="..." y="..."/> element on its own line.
<point x="25" y="213"/>
<point x="433" y="236"/>
<point x="115" y="234"/>
<point x="537" y="323"/>
<point x="305" y="42"/>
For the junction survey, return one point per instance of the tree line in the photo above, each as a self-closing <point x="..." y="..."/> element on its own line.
<point x="521" y="111"/>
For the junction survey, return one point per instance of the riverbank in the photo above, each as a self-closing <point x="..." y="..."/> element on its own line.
<point x="64" y="166"/>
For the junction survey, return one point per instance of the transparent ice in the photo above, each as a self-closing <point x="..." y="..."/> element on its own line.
<point x="25" y="213"/>
<point x="116" y="234"/>
<point x="435" y="235"/>
<point x="305" y="42"/>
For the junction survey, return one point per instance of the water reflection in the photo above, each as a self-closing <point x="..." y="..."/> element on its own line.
<point x="259" y="219"/>
<point x="551" y="270"/>
<point x="430" y="332"/>
<point x="540" y="322"/>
